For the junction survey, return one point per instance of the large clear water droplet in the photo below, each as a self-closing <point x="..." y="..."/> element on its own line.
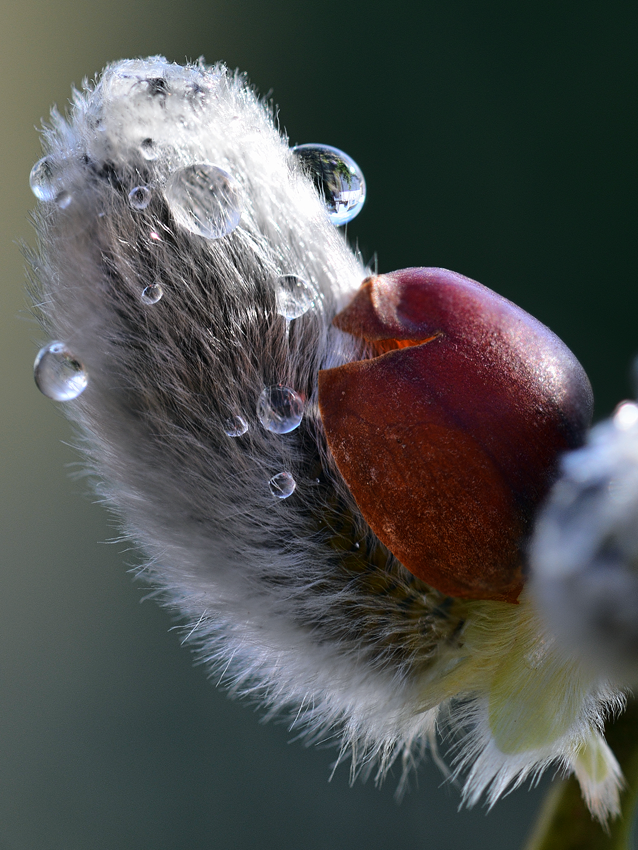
<point x="338" y="179"/>
<point x="204" y="199"/>
<point x="42" y="180"/>
<point x="58" y="373"/>
<point x="139" y="197"/>
<point x="235" y="426"/>
<point x="280" y="409"/>
<point x="282" y="485"/>
<point x="152" y="293"/>
<point x="295" y="296"/>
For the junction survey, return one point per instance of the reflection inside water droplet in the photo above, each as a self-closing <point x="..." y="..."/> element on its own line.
<point x="152" y="293"/>
<point x="42" y="180"/>
<point x="139" y="197"/>
<point x="149" y="150"/>
<point x="280" y="409"/>
<point x="58" y="373"/>
<point x="235" y="426"/>
<point x="338" y="179"/>
<point x="282" y="485"/>
<point x="295" y="296"/>
<point x="204" y="199"/>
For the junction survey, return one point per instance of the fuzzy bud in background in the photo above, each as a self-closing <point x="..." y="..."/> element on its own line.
<point x="585" y="550"/>
<point x="188" y="273"/>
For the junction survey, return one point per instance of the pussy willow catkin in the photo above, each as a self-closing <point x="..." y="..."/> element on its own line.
<point x="188" y="271"/>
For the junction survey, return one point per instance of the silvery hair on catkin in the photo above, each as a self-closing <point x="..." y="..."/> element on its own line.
<point x="180" y="332"/>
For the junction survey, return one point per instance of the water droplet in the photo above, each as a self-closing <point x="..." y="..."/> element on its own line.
<point x="63" y="199"/>
<point x="58" y="373"/>
<point x="204" y="199"/>
<point x="282" y="485"/>
<point x="149" y="149"/>
<point x="280" y="409"/>
<point x="294" y="295"/>
<point x="152" y="293"/>
<point x="338" y="179"/>
<point x="139" y="197"/>
<point x="626" y="415"/>
<point x="42" y="180"/>
<point x="235" y="426"/>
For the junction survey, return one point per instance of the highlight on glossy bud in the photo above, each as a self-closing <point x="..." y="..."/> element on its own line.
<point x="449" y="433"/>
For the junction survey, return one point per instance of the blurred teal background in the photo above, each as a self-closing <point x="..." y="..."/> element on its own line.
<point x="498" y="140"/>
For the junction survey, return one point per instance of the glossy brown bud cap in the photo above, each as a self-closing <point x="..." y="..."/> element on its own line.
<point x="449" y="438"/>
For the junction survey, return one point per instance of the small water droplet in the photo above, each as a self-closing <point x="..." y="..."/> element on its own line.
<point x="149" y="150"/>
<point x="58" y="373"/>
<point x="626" y="415"/>
<point x="280" y="409"/>
<point x="152" y="293"/>
<point x="357" y="545"/>
<point x="154" y="235"/>
<point x="42" y="180"/>
<point x="235" y="426"/>
<point x="63" y="199"/>
<point x="338" y="179"/>
<point x="282" y="485"/>
<point x="139" y="197"/>
<point x="204" y="199"/>
<point x="295" y="296"/>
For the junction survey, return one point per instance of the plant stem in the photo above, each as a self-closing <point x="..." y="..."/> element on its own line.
<point x="564" y="823"/>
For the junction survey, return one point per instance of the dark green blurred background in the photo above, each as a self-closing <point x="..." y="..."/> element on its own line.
<point x="497" y="139"/>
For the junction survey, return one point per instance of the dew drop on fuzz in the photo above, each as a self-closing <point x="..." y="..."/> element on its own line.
<point x="235" y="426"/>
<point x="139" y="197"/>
<point x="337" y="178"/>
<point x="282" y="485"/>
<point x="204" y="199"/>
<point x="280" y="409"/>
<point x="152" y="293"/>
<point x="58" y="374"/>
<point x="295" y="296"/>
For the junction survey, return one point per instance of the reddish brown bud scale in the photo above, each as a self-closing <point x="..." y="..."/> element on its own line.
<point x="448" y="439"/>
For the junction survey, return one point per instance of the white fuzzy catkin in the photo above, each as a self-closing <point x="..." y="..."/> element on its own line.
<point x="585" y="549"/>
<point x="293" y="599"/>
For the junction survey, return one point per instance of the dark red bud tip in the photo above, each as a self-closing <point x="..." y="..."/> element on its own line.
<point x="449" y="438"/>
